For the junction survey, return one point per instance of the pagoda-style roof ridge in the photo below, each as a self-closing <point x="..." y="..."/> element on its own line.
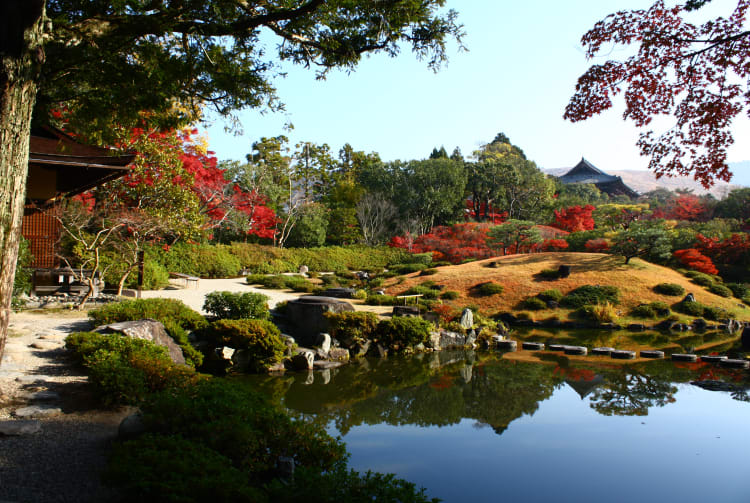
<point x="585" y="172"/>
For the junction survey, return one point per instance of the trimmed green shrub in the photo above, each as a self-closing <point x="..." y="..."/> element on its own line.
<point x="404" y="331"/>
<point x="382" y="300"/>
<point x="419" y="258"/>
<point x="260" y="338"/>
<point x="533" y="304"/>
<point x="147" y="469"/>
<point x="591" y="295"/>
<point x="549" y="273"/>
<point x="449" y="295"/>
<point x="652" y="310"/>
<point x="408" y="268"/>
<point x="716" y="313"/>
<point x="550" y="295"/>
<point x="176" y="317"/>
<point x="488" y="289"/>
<point x="235" y="306"/>
<point x="423" y="290"/>
<point x="661" y="308"/>
<point x="428" y="272"/>
<point x="360" y="294"/>
<point x="690" y="308"/>
<point x="352" y="327"/>
<point x="739" y="290"/>
<point x="720" y="290"/>
<point x="701" y="279"/>
<point x="163" y="310"/>
<point x="671" y="289"/>
<point x="600" y="313"/>
<point x="124" y="371"/>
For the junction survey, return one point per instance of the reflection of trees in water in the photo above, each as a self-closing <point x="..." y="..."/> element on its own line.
<point x="631" y="394"/>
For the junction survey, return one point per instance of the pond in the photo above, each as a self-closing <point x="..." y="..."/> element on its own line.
<point x="490" y="427"/>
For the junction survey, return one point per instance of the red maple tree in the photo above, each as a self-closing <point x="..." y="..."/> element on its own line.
<point x="731" y="250"/>
<point x="686" y="207"/>
<point x="695" y="260"/>
<point x="699" y="73"/>
<point x="575" y="219"/>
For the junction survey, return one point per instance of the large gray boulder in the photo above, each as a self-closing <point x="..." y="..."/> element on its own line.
<point x="147" y="329"/>
<point x="467" y="319"/>
<point x="305" y="316"/>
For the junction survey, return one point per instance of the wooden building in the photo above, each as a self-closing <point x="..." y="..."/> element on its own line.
<point x="585" y="172"/>
<point x="60" y="167"/>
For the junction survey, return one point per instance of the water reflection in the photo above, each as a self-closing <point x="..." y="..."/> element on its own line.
<point x="442" y="389"/>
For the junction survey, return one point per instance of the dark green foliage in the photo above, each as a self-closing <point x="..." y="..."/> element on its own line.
<point x="311" y="226"/>
<point x="549" y="273"/>
<point x="174" y="469"/>
<point x="590" y="294"/>
<point x="690" y="308"/>
<point x="702" y="279"/>
<point x="352" y="326"/>
<point x="261" y="339"/>
<point x="419" y="258"/>
<point x="720" y="290"/>
<point x="652" y="310"/>
<point x="382" y="300"/>
<point x="176" y="317"/>
<point x="425" y="291"/>
<point x="163" y="310"/>
<point x="404" y="331"/>
<point x="236" y="422"/>
<point x="350" y="486"/>
<point x="449" y="295"/>
<point x="407" y="268"/>
<point x="428" y="272"/>
<point x="577" y="240"/>
<point x="739" y="290"/>
<point x="671" y="289"/>
<point x="124" y="371"/>
<point x="716" y="313"/>
<point x="234" y="306"/>
<point x="533" y="304"/>
<point x="293" y="282"/>
<point x="552" y="294"/>
<point x="489" y="288"/>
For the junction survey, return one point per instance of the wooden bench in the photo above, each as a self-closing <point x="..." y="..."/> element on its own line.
<point x="185" y="280"/>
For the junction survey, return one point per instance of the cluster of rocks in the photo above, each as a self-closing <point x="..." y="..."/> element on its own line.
<point x="62" y="300"/>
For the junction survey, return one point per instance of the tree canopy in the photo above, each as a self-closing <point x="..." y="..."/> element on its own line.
<point x="114" y="61"/>
<point x="697" y="73"/>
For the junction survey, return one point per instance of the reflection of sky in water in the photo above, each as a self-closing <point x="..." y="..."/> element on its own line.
<point x="695" y="449"/>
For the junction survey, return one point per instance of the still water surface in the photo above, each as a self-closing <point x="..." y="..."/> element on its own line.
<point x="484" y="427"/>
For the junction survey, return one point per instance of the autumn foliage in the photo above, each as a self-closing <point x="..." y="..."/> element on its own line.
<point x="695" y="260"/>
<point x="732" y="250"/>
<point x="575" y="218"/>
<point x="453" y="243"/>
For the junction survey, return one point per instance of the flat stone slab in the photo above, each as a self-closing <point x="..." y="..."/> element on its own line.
<point x="32" y="378"/>
<point x="41" y="396"/>
<point x="22" y="427"/>
<point x="713" y="358"/>
<point x="576" y="350"/>
<point x="735" y="364"/>
<point x="652" y="354"/>
<point x="622" y="354"/>
<point x="556" y="347"/>
<point x="506" y="345"/>
<point x="602" y="351"/>
<point x="38" y="411"/>
<point x="45" y="346"/>
<point x="533" y="345"/>
<point x="684" y="357"/>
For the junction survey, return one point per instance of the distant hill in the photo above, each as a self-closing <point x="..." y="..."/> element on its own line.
<point x="645" y="181"/>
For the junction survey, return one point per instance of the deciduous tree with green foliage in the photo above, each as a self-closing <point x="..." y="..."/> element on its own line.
<point x="110" y="63"/>
<point x="643" y="239"/>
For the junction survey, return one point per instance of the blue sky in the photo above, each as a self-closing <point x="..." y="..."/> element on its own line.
<point x="521" y="67"/>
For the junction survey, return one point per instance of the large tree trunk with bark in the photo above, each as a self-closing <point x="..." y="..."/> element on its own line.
<point x="21" y="57"/>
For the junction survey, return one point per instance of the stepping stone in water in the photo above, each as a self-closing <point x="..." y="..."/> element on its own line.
<point x="683" y="357"/>
<point x="622" y="354"/>
<point x="602" y="351"/>
<point x="713" y="358"/>
<point x="576" y="350"/>
<point x="556" y="347"/>
<point x="507" y="345"/>
<point x="735" y="364"/>
<point x="652" y="354"/>
<point x="533" y="345"/>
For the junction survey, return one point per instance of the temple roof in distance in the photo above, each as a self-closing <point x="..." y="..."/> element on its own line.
<point x="585" y="172"/>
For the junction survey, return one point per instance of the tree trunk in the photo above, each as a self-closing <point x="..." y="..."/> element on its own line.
<point x="21" y="57"/>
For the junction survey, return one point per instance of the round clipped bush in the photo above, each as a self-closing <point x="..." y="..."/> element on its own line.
<point x="404" y="331"/>
<point x="553" y="295"/>
<point x="643" y="311"/>
<point x="449" y="295"/>
<point x="533" y="304"/>
<point x="671" y="289"/>
<point x="702" y="279"/>
<point x="260" y="339"/>
<point x="716" y="313"/>
<point x="690" y="308"/>
<point x="739" y="290"/>
<point x="489" y="288"/>
<point x="235" y="306"/>
<point x="591" y="295"/>
<point x="352" y="327"/>
<point x="720" y="290"/>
